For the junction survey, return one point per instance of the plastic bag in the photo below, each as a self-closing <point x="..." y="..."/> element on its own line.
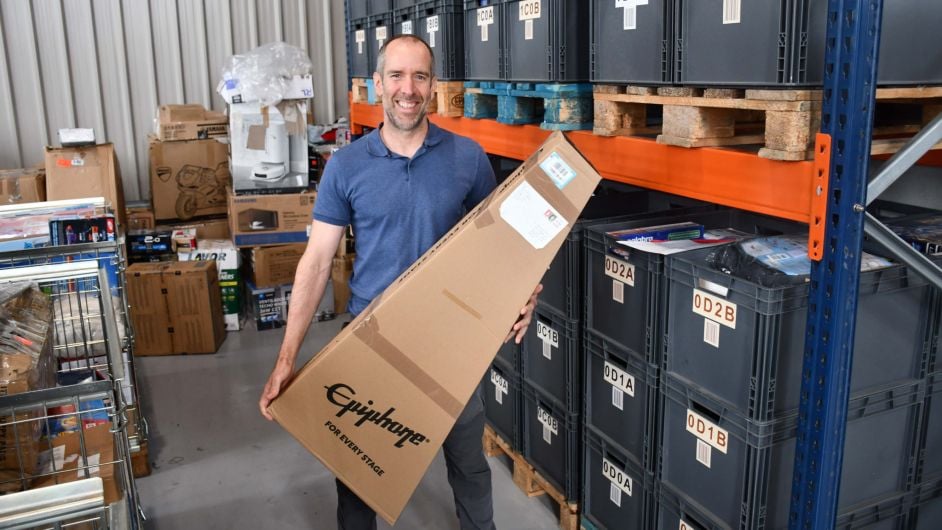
<point x="264" y="73"/>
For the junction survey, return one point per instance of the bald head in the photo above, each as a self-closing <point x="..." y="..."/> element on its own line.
<point x="407" y="41"/>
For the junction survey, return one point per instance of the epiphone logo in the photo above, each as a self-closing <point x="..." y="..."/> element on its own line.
<point x="342" y="395"/>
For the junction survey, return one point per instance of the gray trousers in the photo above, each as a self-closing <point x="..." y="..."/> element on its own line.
<point x="468" y="474"/>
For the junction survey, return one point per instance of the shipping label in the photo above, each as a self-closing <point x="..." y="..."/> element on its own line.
<point x="527" y="212"/>
<point x="714" y="308"/>
<point x="707" y="431"/>
<point x="619" y="270"/>
<point x="557" y="170"/>
<point x="619" y="378"/>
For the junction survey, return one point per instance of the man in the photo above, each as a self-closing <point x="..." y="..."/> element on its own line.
<point x="402" y="187"/>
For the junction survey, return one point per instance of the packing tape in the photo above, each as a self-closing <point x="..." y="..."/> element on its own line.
<point x="460" y="303"/>
<point x="369" y="332"/>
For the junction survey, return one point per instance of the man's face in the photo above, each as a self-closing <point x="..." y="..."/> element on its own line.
<point x="406" y="84"/>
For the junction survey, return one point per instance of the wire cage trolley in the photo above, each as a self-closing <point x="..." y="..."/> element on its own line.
<point x="69" y="444"/>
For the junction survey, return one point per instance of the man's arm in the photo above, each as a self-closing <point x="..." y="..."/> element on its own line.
<point x="310" y="281"/>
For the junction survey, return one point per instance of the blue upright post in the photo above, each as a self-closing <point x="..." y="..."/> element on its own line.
<point x="853" y="31"/>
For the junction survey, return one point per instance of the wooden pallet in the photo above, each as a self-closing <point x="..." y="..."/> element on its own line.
<point x="361" y="93"/>
<point x="554" y="106"/>
<point x="449" y="99"/>
<point x="782" y="122"/>
<point x="529" y="480"/>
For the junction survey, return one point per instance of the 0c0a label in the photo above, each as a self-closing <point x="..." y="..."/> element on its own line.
<point x="715" y="308"/>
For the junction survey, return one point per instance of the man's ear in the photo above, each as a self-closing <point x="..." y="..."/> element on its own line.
<point x="378" y="83"/>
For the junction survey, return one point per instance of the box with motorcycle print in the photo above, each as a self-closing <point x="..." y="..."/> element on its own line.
<point x="189" y="178"/>
<point x="269" y="148"/>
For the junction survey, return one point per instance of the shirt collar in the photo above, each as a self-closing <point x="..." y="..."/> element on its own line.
<point x="376" y="147"/>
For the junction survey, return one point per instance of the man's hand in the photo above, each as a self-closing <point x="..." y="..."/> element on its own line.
<point x="276" y="383"/>
<point x="519" y="329"/>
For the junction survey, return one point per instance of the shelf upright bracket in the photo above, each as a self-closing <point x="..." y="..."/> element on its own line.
<point x="852" y="44"/>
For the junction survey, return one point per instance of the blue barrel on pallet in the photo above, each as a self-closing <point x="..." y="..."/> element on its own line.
<point x="359" y="48"/>
<point x="503" y="402"/>
<point x="744" y="341"/>
<point x="441" y="24"/>
<point x="547" y="40"/>
<point x="739" y="471"/>
<point x="551" y="441"/>
<point x="632" y="42"/>
<point x="483" y="40"/>
<point x="617" y="492"/>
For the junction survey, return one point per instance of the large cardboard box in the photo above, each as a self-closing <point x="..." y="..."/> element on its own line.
<point x="205" y="228"/>
<point x="274" y="266"/>
<point x="175" y="307"/>
<point x="266" y="220"/>
<point x="189" y="178"/>
<point x="81" y="172"/>
<point x="22" y="185"/>
<point x="378" y="401"/>
<point x="190" y="122"/>
<point x="78" y="455"/>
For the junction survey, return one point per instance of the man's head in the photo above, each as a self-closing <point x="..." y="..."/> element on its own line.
<point x="405" y="79"/>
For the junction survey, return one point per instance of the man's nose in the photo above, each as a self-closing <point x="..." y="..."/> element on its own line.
<point x="407" y="86"/>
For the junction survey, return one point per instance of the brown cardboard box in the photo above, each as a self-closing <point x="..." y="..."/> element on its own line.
<point x="141" y="219"/>
<point x="274" y="266"/>
<point x="99" y="448"/>
<point x="377" y="402"/>
<point x="22" y="185"/>
<point x="266" y="220"/>
<point x="81" y="172"/>
<point x="340" y="274"/>
<point x="205" y="228"/>
<point x="176" y="307"/>
<point x="190" y="122"/>
<point x="188" y="179"/>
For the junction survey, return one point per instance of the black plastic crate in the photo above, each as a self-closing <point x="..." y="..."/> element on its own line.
<point x="402" y="4"/>
<point x="552" y="358"/>
<point x="676" y="511"/>
<point x="404" y="20"/>
<point x="503" y="402"/>
<point x="484" y="46"/>
<point x="379" y="7"/>
<point x="930" y="467"/>
<point x="621" y="401"/>
<point x="509" y="354"/>
<point x="379" y="30"/>
<point x="552" y="441"/>
<point x="749" y="351"/>
<point x="616" y="492"/>
<point x="558" y="45"/>
<point x="632" y="43"/>
<point x="739" y="471"/>
<point x="357" y="9"/>
<point x="441" y="24"/>
<point x="926" y="513"/>
<point x="781" y="42"/>
<point x="628" y="308"/>
<point x="358" y="37"/>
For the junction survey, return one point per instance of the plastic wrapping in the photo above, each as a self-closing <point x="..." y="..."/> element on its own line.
<point x="264" y="74"/>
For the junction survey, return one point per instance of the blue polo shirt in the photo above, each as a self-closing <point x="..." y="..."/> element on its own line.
<point x="398" y="206"/>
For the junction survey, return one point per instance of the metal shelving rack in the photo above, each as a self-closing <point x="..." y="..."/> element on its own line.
<point x="830" y="194"/>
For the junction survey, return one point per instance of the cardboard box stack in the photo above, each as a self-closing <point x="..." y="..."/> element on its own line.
<point x="229" y="266"/>
<point x="22" y="185"/>
<point x="88" y="171"/>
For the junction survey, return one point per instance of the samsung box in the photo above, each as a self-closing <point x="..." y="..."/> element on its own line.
<point x="379" y="429"/>
<point x="265" y="220"/>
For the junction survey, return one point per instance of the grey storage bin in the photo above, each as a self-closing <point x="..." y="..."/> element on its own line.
<point x="616" y="493"/>
<point x="547" y="40"/>
<point x="631" y="43"/>
<point x="358" y="44"/>
<point x="404" y="20"/>
<point x="358" y="9"/>
<point x="553" y="357"/>
<point x="441" y="24"/>
<point x="379" y="7"/>
<point x="379" y="30"/>
<point x="927" y="509"/>
<point x="484" y="46"/>
<point x="552" y="441"/>
<point x="402" y="4"/>
<point x="931" y="452"/>
<point x="747" y="483"/>
<point x="503" y="402"/>
<point x="754" y="360"/>
<point x="509" y="354"/>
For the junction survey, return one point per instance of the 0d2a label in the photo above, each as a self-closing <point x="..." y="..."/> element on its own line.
<point x="620" y="270"/>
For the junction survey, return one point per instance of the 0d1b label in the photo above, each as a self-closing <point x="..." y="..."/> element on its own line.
<point x="707" y="431"/>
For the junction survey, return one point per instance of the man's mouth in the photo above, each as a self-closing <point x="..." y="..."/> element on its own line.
<point x="407" y="105"/>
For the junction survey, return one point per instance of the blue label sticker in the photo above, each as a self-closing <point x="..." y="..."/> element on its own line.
<point x="557" y="170"/>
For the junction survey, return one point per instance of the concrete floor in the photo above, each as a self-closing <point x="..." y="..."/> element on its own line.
<point x="218" y="464"/>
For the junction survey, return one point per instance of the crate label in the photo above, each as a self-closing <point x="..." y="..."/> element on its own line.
<point x="557" y="170"/>
<point x="547" y="435"/>
<point x="630" y="12"/>
<point x="547" y="334"/>
<point x="621" y="271"/>
<point x="407" y="27"/>
<point x="619" y="378"/>
<point x="548" y="351"/>
<point x="431" y="27"/>
<point x="528" y="30"/>
<point x="704" y="453"/>
<point x="711" y="333"/>
<point x="550" y="424"/>
<point x="381" y="35"/>
<point x="618" y="291"/>
<point x="714" y="308"/>
<point x="732" y="11"/>
<point x="500" y="387"/>
<point x="618" y="398"/>
<point x="707" y="431"/>
<point x="529" y="9"/>
<point x="614" y="494"/>
<point x="527" y="212"/>
<point x="485" y="19"/>
<point x="617" y="476"/>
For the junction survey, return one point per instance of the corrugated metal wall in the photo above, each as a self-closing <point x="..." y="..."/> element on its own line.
<point x="108" y="64"/>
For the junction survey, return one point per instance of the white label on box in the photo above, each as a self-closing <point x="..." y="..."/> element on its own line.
<point x="707" y="431"/>
<point x="618" y="291"/>
<point x="704" y="453"/>
<point x="621" y="271"/>
<point x="407" y="27"/>
<point x="614" y="494"/>
<point x="732" y="10"/>
<point x="550" y="424"/>
<point x="617" y="476"/>
<point x="529" y="9"/>
<point x="52" y="460"/>
<point x="500" y="386"/>
<point x="381" y="35"/>
<point x="548" y="350"/>
<point x="92" y="463"/>
<point x="619" y="378"/>
<point x="557" y="170"/>
<point x="78" y="162"/>
<point x="360" y="37"/>
<point x="431" y="40"/>
<point x="618" y="398"/>
<point x="630" y="12"/>
<point x="711" y="333"/>
<point x="714" y="308"/>
<point x="431" y="26"/>
<point x="485" y="19"/>
<point x="547" y="435"/>
<point x="527" y="212"/>
<point x="528" y="30"/>
<point x="547" y="334"/>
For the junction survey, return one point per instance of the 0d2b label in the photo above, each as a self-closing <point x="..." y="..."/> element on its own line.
<point x="715" y="308"/>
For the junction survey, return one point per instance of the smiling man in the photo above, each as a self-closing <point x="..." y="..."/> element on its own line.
<point x="401" y="187"/>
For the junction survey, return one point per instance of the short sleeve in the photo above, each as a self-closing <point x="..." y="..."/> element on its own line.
<point x="332" y="205"/>
<point x="484" y="180"/>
